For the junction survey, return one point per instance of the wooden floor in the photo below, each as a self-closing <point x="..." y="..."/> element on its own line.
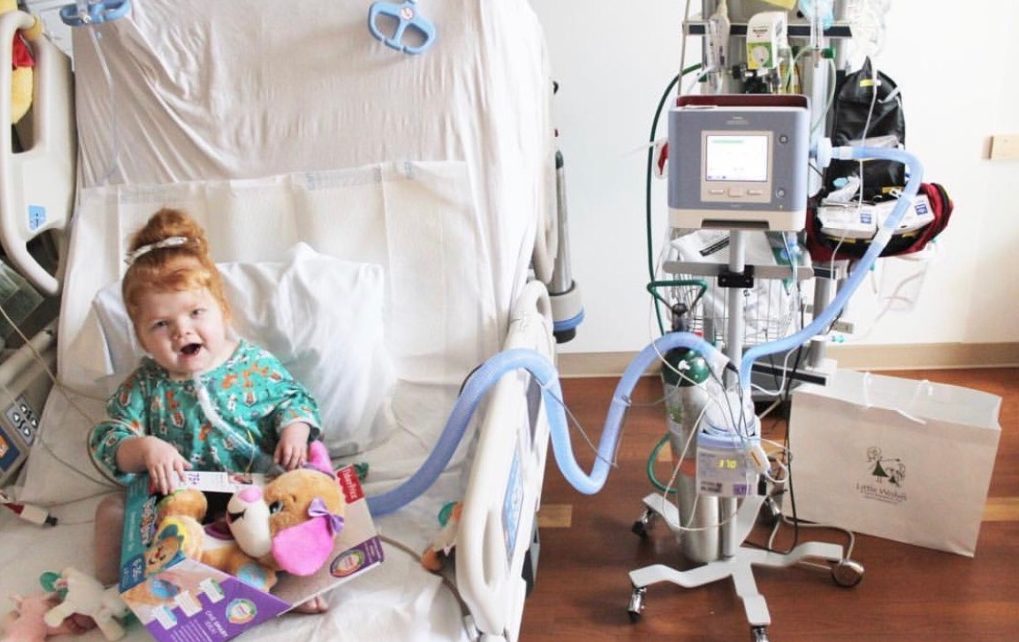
<point x="908" y="593"/>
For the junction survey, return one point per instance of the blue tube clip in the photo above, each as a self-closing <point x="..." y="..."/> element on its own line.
<point x="95" y="13"/>
<point x="408" y="17"/>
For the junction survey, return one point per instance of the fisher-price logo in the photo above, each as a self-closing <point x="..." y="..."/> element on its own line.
<point x="887" y="478"/>
<point x="350" y="484"/>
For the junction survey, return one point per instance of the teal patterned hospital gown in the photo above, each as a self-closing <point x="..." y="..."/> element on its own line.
<point x="251" y="391"/>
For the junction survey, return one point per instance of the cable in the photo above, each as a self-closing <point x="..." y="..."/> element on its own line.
<point x="40" y="437"/>
<point x="792" y="68"/>
<point x="859" y="196"/>
<point x="682" y="42"/>
<point x="614" y="462"/>
<point x="850" y="536"/>
<point x="781" y="385"/>
<point x="672" y="480"/>
<point x="465" y="611"/>
<point x="95" y="36"/>
<point x="894" y="297"/>
<point x="831" y="98"/>
<point x="650" y="164"/>
<point x="866" y="129"/>
<point x="652" y="458"/>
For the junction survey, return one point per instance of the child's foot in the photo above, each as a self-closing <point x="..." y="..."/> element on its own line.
<point x="317" y="604"/>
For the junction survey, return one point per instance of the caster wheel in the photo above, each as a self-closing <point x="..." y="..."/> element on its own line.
<point x="759" y="634"/>
<point x="636" y="607"/>
<point x="847" y="573"/>
<point x="639" y="529"/>
<point x="770" y="513"/>
<point x="644" y="524"/>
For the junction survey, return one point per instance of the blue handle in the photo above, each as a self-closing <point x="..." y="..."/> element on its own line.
<point x="97" y="13"/>
<point x="407" y="16"/>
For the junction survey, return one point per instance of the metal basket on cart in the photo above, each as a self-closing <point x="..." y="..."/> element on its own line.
<point x="769" y="309"/>
<point x="770" y="304"/>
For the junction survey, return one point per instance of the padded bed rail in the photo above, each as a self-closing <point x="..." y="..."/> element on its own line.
<point x="504" y="492"/>
<point x="36" y="184"/>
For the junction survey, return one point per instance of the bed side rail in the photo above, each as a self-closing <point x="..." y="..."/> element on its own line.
<point x="37" y="184"/>
<point x="504" y="489"/>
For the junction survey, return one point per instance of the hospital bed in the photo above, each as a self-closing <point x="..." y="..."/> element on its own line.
<point x="385" y="221"/>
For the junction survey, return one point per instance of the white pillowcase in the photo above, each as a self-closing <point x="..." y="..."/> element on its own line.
<point x="322" y="317"/>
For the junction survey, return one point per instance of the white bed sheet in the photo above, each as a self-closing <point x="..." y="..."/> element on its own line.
<point x="397" y="601"/>
<point x="413" y="219"/>
<point x="238" y="90"/>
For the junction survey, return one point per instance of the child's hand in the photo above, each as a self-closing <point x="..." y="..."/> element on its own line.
<point x="165" y="465"/>
<point x="292" y="450"/>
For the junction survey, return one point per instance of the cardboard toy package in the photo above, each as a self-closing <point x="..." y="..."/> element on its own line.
<point x="187" y="600"/>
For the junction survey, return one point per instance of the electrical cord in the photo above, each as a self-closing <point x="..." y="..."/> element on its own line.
<point x="614" y="463"/>
<point x="64" y="390"/>
<point x="833" y="76"/>
<point x="465" y="611"/>
<point x="652" y="458"/>
<point x="859" y="196"/>
<point x="650" y="164"/>
<point x="675" y="473"/>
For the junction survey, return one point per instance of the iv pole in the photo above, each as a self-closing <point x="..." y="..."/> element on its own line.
<point x="738" y="519"/>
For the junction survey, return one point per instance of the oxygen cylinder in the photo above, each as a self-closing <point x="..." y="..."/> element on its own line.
<point x="686" y="379"/>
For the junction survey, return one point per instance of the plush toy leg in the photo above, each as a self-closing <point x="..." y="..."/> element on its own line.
<point x="57" y="614"/>
<point x="111" y="628"/>
<point x="431" y="559"/>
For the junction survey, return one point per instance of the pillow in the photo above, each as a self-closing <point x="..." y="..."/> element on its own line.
<point x="322" y="317"/>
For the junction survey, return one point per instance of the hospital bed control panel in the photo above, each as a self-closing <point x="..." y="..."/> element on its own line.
<point x="18" y="429"/>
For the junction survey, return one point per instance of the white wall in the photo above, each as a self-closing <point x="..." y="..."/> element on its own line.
<point x="613" y="60"/>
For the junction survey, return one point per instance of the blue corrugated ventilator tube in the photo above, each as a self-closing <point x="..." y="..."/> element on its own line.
<point x="478" y="384"/>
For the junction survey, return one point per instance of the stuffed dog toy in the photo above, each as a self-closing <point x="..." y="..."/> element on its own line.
<point x="289" y="525"/>
<point x="180" y="534"/>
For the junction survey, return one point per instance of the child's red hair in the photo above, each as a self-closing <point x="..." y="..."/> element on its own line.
<point x="171" y="269"/>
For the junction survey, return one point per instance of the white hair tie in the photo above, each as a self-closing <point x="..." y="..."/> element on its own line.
<point x="173" y="241"/>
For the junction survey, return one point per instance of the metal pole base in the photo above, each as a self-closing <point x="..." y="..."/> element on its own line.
<point x="739" y="568"/>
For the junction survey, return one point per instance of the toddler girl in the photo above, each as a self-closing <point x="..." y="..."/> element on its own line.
<point x="203" y="399"/>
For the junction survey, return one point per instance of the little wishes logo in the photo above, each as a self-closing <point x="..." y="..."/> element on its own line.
<point x="886" y="479"/>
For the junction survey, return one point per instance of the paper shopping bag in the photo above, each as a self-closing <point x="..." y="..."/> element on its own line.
<point x="897" y="458"/>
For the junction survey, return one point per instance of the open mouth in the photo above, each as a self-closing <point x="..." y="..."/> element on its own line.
<point x="191" y="349"/>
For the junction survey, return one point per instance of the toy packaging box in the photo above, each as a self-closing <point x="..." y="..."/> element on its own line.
<point x="188" y="601"/>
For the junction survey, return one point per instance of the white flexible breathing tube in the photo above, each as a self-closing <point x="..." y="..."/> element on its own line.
<point x="258" y="461"/>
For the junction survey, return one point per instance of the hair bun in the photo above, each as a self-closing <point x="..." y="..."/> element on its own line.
<point x="167" y="223"/>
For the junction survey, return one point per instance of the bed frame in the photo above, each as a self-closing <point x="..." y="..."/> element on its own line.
<point x="497" y="539"/>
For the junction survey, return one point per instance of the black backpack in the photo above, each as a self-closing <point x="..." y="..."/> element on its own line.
<point x="852" y="103"/>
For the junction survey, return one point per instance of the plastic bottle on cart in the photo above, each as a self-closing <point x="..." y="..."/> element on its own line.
<point x="686" y="379"/>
